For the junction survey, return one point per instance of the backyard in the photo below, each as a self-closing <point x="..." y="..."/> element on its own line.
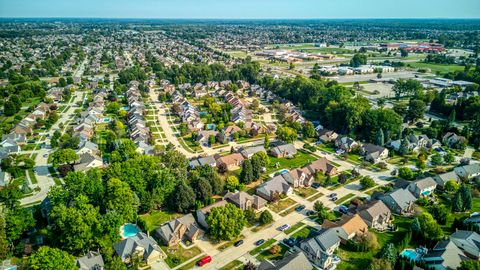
<point x="300" y="160"/>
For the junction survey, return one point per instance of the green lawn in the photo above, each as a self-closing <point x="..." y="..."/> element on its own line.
<point x="266" y="255"/>
<point x="305" y="192"/>
<point x="178" y="255"/>
<point x="441" y="68"/>
<point x="33" y="177"/>
<point x="313" y="198"/>
<point x="232" y="265"/>
<point x="230" y="243"/>
<point x="263" y="246"/>
<point x="345" y="198"/>
<point x="304" y="233"/>
<point x="294" y="228"/>
<point x="156" y="218"/>
<point x="300" y="160"/>
<point x="281" y="205"/>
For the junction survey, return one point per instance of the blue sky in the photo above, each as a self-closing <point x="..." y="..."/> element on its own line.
<point x="242" y="8"/>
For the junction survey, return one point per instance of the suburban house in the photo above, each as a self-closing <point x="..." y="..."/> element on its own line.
<point x="299" y="178"/>
<point x="399" y="201"/>
<point x="88" y="161"/>
<point x="273" y="188"/>
<point x="416" y="142"/>
<point x="346" y="144"/>
<point x="229" y="162"/>
<point x="468" y="171"/>
<point x="173" y="232"/>
<point x="468" y="242"/>
<point x="91" y="261"/>
<point x="422" y="187"/>
<point x="141" y="245"/>
<point x="88" y="147"/>
<point x="208" y="160"/>
<point x="250" y="151"/>
<point x="443" y="178"/>
<point x="203" y="212"/>
<point x="445" y="255"/>
<point x="322" y="165"/>
<point x="452" y="140"/>
<point x="374" y="153"/>
<point x="204" y="135"/>
<point x="327" y="136"/>
<point x="347" y="227"/>
<point x="320" y="248"/>
<point x="245" y="201"/>
<point x="19" y="139"/>
<point x="21" y="128"/>
<point x="473" y="220"/>
<point x="376" y="214"/>
<point x="290" y="261"/>
<point x="284" y="150"/>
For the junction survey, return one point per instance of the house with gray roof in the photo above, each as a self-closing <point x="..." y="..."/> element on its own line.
<point x="291" y="261"/>
<point x="140" y="244"/>
<point x="376" y="214"/>
<point x="279" y="184"/>
<point x="468" y="242"/>
<point x="91" y="261"/>
<point x="284" y="150"/>
<point x="473" y="220"/>
<point x="400" y="201"/>
<point x="4" y="178"/>
<point x="174" y="231"/>
<point x="468" y="171"/>
<point x="319" y="249"/>
<point x="245" y="201"/>
<point x="444" y="256"/>
<point x="374" y="153"/>
<point x="443" y="178"/>
<point x="250" y="151"/>
<point x="208" y="160"/>
<point x="422" y="187"/>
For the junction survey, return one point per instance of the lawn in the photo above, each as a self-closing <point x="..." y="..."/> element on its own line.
<point x="156" y="218"/>
<point x="326" y="148"/>
<point x="281" y="205"/>
<point x="345" y="198"/>
<point x="230" y="243"/>
<point x="33" y="177"/>
<point x="232" y="265"/>
<point x="266" y="255"/>
<point x="304" y="233"/>
<point x="178" y="255"/>
<point x="315" y="197"/>
<point x="294" y="228"/>
<point x="263" y="246"/>
<point x="440" y="68"/>
<point x="305" y="192"/>
<point x="300" y="160"/>
<point x="290" y="210"/>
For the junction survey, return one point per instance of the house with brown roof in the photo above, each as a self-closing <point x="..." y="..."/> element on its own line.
<point x="22" y="129"/>
<point x="229" y="162"/>
<point x="327" y="136"/>
<point x="347" y="227"/>
<point x="173" y="232"/>
<point x="376" y="214"/>
<point x="300" y="178"/>
<point x="245" y="201"/>
<point x="322" y="165"/>
<point x="203" y="212"/>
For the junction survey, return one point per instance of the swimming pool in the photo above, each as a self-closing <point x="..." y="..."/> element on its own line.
<point x="129" y="230"/>
<point x="106" y="119"/>
<point x="410" y="254"/>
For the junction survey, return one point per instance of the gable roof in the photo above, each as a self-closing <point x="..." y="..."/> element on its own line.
<point x="91" y="261"/>
<point x="424" y="183"/>
<point x="127" y="246"/>
<point x="443" y="178"/>
<point x="349" y="223"/>
<point x="470" y="237"/>
<point x="374" y="209"/>
<point x="278" y="184"/>
<point x="322" y="164"/>
<point x="291" y="261"/>
<point x="402" y="197"/>
<point x="326" y="239"/>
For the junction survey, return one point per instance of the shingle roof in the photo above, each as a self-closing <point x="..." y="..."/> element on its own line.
<point x="91" y="261"/>
<point x="402" y="197"/>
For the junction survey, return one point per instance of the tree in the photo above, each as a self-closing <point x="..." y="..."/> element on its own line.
<point x="62" y="82"/>
<point x="457" y="203"/>
<point x="389" y="253"/>
<point x="120" y="198"/>
<point x="405" y="173"/>
<point x="203" y="189"/>
<point x="265" y="217"/>
<point x="449" y="158"/>
<point x="232" y="183"/>
<point x="51" y="258"/>
<point x="367" y="241"/>
<point x="184" y="198"/>
<point x="256" y="162"/>
<point x="308" y="130"/>
<point x="266" y="141"/>
<point x="226" y="222"/>
<point x="211" y="140"/>
<point x="380" y="264"/>
<point x="440" y="213"/>
<point x="4" y="245"/>
<point x="380" y="138"/>
<point x="9" y="108"/>
<point x="249" y="266"/>
<point x="246" y="175"/>
<point x="403" y="150"/>
<point x="286" y="134"/>
<point x="430" y="229"/>
<point x="367" y="182"/>
<point x="358" y="60"/>
<point x="64" y="156"/>
<point x="466" y="195"/>
<point x="436" y="159"/>
<point x="469" y="265"/>
<point x="275" y="249"/>
<point x="451" y="186"/>
<point x="416" y="109"/>
<point x="403" y="53"/>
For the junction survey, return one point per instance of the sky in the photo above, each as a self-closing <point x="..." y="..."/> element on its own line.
<point x="242" y="9"/>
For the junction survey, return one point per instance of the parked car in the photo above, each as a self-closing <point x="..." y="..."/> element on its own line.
<point x="343" y="209"/>
<point x="310" y="213"/>
<point x="283" y="227"/>
<point x="333" y="199"/>
<point x="289" y="242"/>
<point x="331" y="195"/>
<point x="204" y="261"/>
<point x="238" y="243"/>
<point x="315" y="185"/>
<point x="300" y="208"/>
<point x="259" y="242"/>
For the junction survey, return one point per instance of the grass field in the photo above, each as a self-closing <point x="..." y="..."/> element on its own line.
<point x="440" y="68"/>
<point x="178" y="255"/>
<point x="263" y="246"/>
<point x="300" y="160"/>
<point x="156" y="218"/>
<point x="281" y="205"/>
<point x="345" y="198"/>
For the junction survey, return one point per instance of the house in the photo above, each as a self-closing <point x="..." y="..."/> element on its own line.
<point x="468" y="171"/>
<point x="88" y="147"/>
<point x="201" y="161"/>
<point x="445" y="255"/>
<point x="346" y="144"/>
<point x="376" y="214"/>
<point x="299" y="178"/>
<point x="374" y="153"/>
<point x="422" y="187"/>
<point x="140" y="244"/>
<point x="347" y="227"/>
<point x="272" y="189"/>
<point x="327" y="136"/>
<point x="4" y="178"/>
<point x="88" y="161"/>
<point x="416" y="142"/>
<point x="204" y="135"/>
<point x="290" y="261"/>
<point x="320" y="248"/>
<point x="173" y="232"/>
<point x="244" y="200"/>
<point x="322" y="165"/>
<point x="468" y="242"/>
<point x="473" y="220"/>
<point x="91" y="261"/>
<point x="21" y="128"/>
<point x="399" y="201"/>
<point x="284" y="150"/>
<point x="443" y="178"/>
<point x="250" y="151"/>
<point x="19" y="139"/>
<point x="230" y="162"/>
<point x="203" y="212"/>
<point x="453" y="140"/>
<point x="229" y="131"/>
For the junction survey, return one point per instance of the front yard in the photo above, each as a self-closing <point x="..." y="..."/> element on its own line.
<point x="305" y="192"/>
<point x="178" y="255"/>
<point x="281" y="205"/>
<point x="300" y="160"/>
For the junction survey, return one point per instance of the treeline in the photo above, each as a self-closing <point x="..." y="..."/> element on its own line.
<point x="471" y="74"/>
<point x="440" y="59"/>
<point x="338" y="107"/>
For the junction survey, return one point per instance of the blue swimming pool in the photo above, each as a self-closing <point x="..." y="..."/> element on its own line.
<point x="129" y="230"/>
<point x="410" y="254"/>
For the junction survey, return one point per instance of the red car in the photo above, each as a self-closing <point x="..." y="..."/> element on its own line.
<point x="204" y="261"/>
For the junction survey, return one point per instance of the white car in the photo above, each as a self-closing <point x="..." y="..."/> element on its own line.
<point x="284" y="227"/>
